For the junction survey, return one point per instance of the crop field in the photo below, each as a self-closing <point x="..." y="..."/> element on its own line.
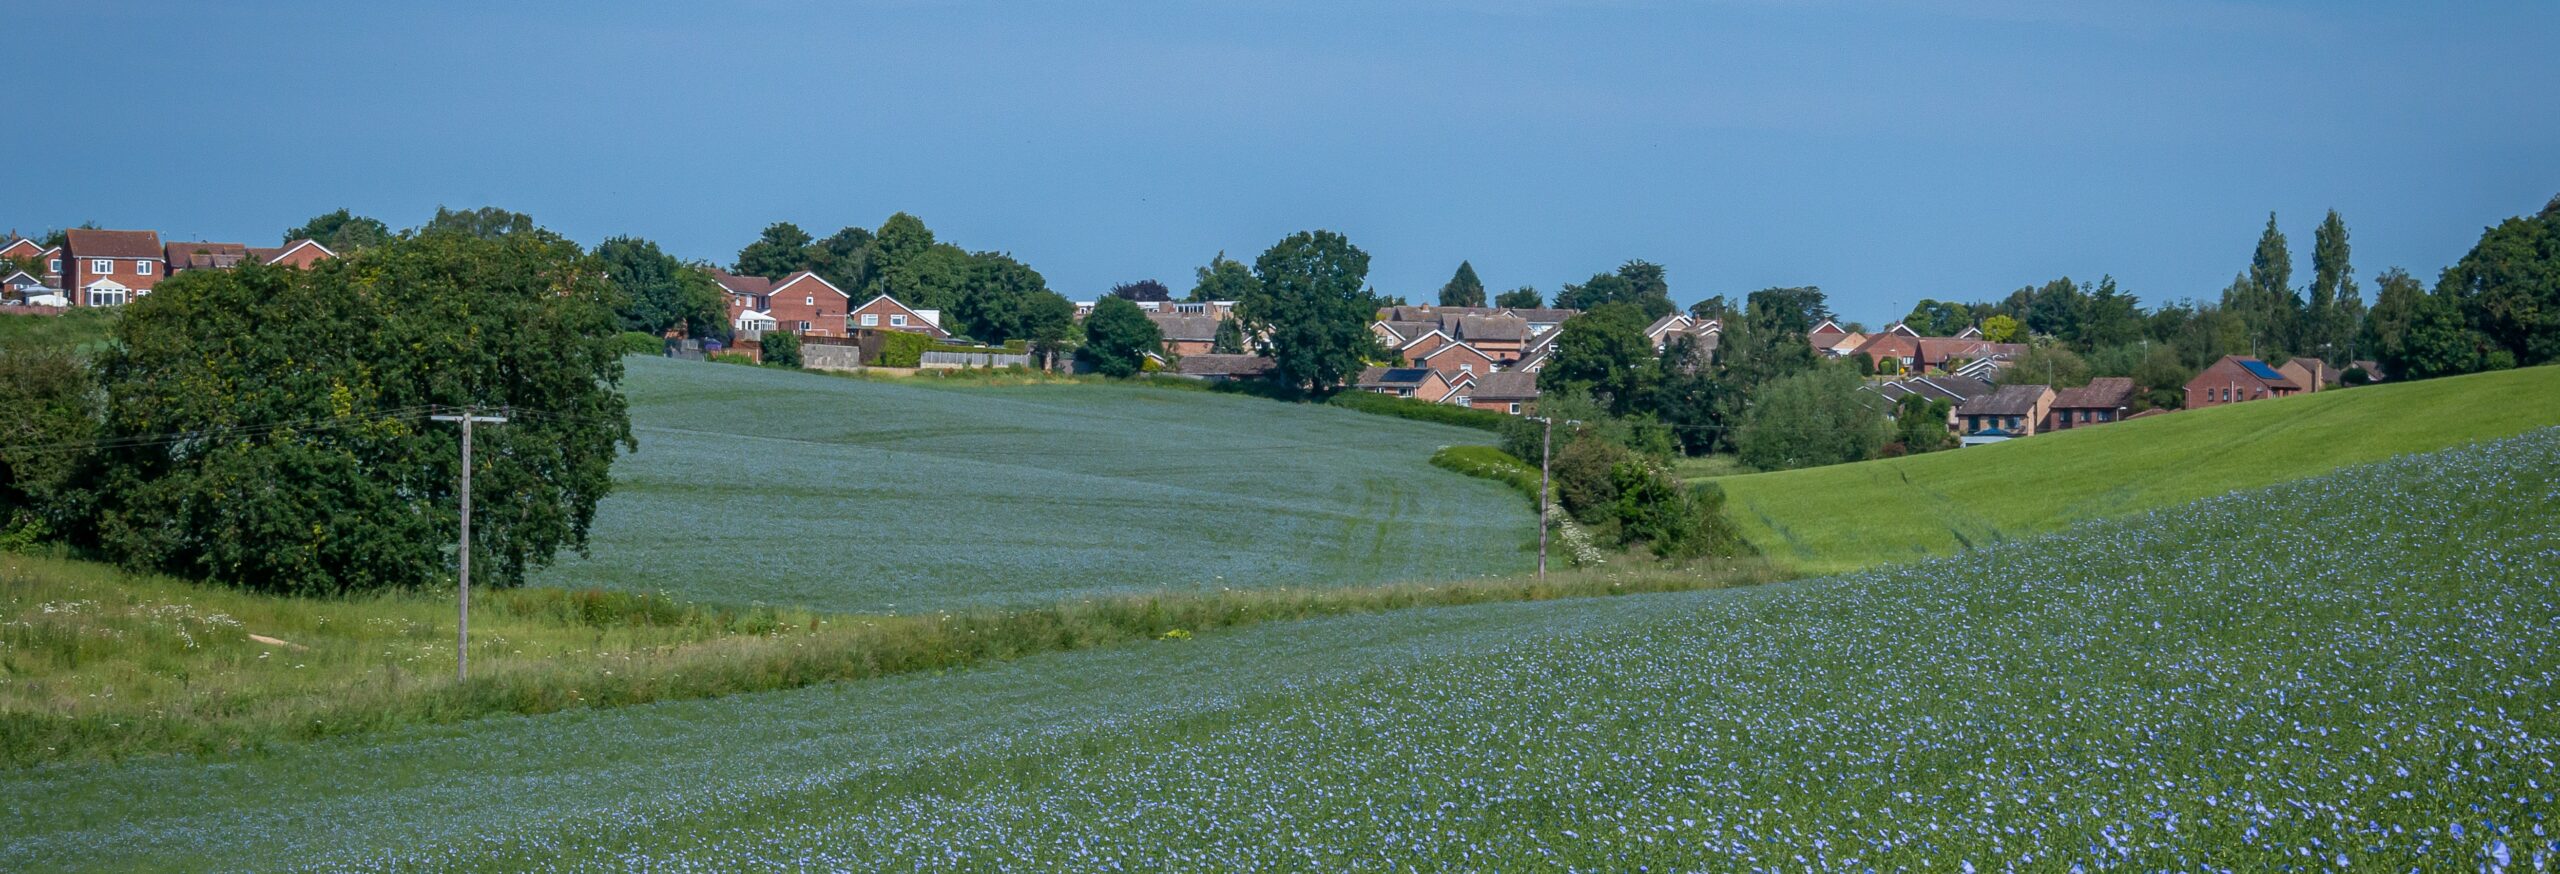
<point x="755" y="485"/>
<point x="2354" y="671"/>
<point x="1852" y="516"/>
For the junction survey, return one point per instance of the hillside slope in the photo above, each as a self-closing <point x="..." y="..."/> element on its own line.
<point x="2144" y="694"/>
<point x="757" y="485"/>
<point x="1830" y="519"/>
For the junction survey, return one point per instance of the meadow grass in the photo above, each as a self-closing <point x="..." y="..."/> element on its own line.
<point x="1845" y="517"/>
<point x="2209" y="687"/>
<point x="844" y="495"/>
<point x="81" y="328"/>
<point x="99" y="663"/>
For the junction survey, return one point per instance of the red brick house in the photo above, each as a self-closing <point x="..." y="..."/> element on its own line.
<point x="1898" y="345"/>
<point x="110" y="268"/>
<point x="1454" y="360"/>
<point x="299" y="253"/>
<point x="1511" y="391"/>
<point x="2311" y="374"/>
<point x="2105" y="399"/>
<point x="1186" y="333"/>
<point x="745" y="296"/>
<point x="1419" y="383"/>
<point x="2236" y="379"/>
<point x="806" y="303"/>
<point x="2008" y="411"/>
<point x="885" y="313"/>
<point x="48" y="262"/>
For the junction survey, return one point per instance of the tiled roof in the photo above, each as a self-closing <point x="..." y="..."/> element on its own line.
<point x="742" y="284"/>
<point x="1394" y="376"/>
<point x="1506" y="385"/>
<point x="2007" y="400"/>
<point x="188" y="256"/>
<point x="88" y="243"/>
<point x="2105" y="392"/>
<point x="1472" y="328"/>
<point x="1544" y="316"/>
<point x="1186" y="326"/>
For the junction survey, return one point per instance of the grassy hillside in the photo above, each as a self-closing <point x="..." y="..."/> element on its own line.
<point x="2209" y="688"/>
<point x="756" y="485"/>
<point x="1851" y="516"/>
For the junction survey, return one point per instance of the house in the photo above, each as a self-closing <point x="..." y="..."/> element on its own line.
<point x="1510" y="391"/>
<point x="1419" y="383"/>
<point x="744" y="294"/>
<point x="2372" y="369"/>
<point x="199" y="255"/>
<point x="1937" y="352"/>
<point x="806" y="303"/>
<point x="48" y="261"/>
<point x="1500" y="335"/>
<point x="1534" y="358"/>
<point x="1833" y="341"/>
<point x="110" y="268"/>
<point x="2006" y="412"/>
<point x="886" y="313"/>
<point x="1454" y="360"/>
<point x="1902" y="349"/>
<point x="1186" y="333"/>
<point x="21" y="248"/>
<point x="2312" y="374"/>
<point x="1660" y="332"/>
<point x="1955" y="390"/>
<point x="299" y="253"/>
<point x="1541" y="319"/>
<point x="2236" y="379"/>
<point x="21" y="285"/>
<point x="1218" y="367"/>
<point x="2105" y="399"/>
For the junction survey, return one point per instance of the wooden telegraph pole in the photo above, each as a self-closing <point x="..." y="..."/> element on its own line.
<point x="462" y="635"/>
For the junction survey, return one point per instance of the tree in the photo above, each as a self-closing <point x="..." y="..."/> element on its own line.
<point x="1793" y="310"/>
<point x="2046" y="364"/>
<point x="843" y="259"/>
<point x="780" y="349"/>
<point x="487" y="223"/>
<point x="1522" y="298"/>
<point x="997" y="303"/>
<point x="1604" y="351"/>
<point x="1714" y="307"/>
<point x="342" y="231"/>
<point x="2263" y="298"/>
<point x="1463" y="288"/>
<point x="2329" y="319"/>
<point x="1939" y="318"/>
<point x="2002" y="329"/>
<point x="660" y="293"/>
<point x="1117" y="337"/>
<point x="1142" y="291"/>
<point x="2162" y="377"/>
<point x="2508" y="288"/>
<point x="2438" y="342"/>
<point x="1224" y="279"/>
<point x="313" y="470"/>
<point x="1229" y="339"/>
<point x="905" y="262"/>
<point x="783" y="249"/>
<point x="45" y="413"/>
<point x="1048" y="321"/>
<point x="54" y="239"/>
<point x="1920" y="424"/>
<point x="1635" y="282"/>
<point x="1311" y="311"/>
<point x="1811" y="418"/>
<point x="2396" y="301"/>
<point x="2108" y="317"/>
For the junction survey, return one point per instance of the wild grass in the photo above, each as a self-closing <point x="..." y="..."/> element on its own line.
<point x="98" y="663"/>
<point x="83" y="328"/>
<point x="1851" y="516"/>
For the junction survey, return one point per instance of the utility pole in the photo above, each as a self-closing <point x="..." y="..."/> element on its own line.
<point x="462" y="635"/>
<point x="1545" y="445"/>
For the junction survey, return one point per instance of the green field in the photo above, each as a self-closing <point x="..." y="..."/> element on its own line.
<point x="1828" y="519"/>
<point x="755" y="485"/>
<point x="2212" y="687"/>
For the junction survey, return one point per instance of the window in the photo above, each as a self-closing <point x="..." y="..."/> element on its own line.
<point x="1468" y="367"/>
<point x="804" y="326"/>
<point x="142" y="268"/>
<point x="870" y="320"/>
<point x="1515" y="408"/>
<point x="102" y="267"/>
<point x="811" y="300"/>
<point x="102" y="297"/>
<point x="897" y="321"/>
<point x="53" y="266"/>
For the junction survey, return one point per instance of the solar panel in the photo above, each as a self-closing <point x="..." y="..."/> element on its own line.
<point x="2261" y="370"/>
<point x="1405" y="374"/>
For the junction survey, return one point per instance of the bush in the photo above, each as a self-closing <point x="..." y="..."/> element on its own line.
<point x="902" y="349"/>
<point x="1583" y="468"/>
<point x="731" y="358"/>
<point x="1674" y="522"/>
<point x="641" y="343"/>
<point x="1490" y="463"/>
<point x="1425" y="411"/>
<point x="781" y="349"/>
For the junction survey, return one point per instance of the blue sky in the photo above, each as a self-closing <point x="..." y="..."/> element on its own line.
<point x="1884" y="151"/>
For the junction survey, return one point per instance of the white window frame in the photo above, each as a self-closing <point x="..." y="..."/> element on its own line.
<point x="142" y="268"/>
<point x="55" y="268"/>
<point x="102" y="266"/>
<point x="898" y="320"/>
<point x="811" y="300"/>
<point x="871" y="320"/>
<point x="121" y="296"/>
<point x="1515" y="408"/>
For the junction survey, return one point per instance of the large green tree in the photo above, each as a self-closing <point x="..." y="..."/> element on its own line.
<point x="1005" y="299"/>
<point x="45" y="417"/>
<point x="660" y="293"/>
<point x="2329" y="318"/>
<point x="1311" y="309"/>
<point x="1640" y="283"/>
<point x="2508" y="288"/>
<point x="1525" y="298"/>
<point x="308" y="464"/>
<point x="783" y="249"/>
<point x="907" y="263"/>
<point x="1604" y="352"/>
<point x="342" y="231"/>
<point x="1811" y="418"/>
<point x="2396" y="300"/>
<point x="1463" y="288"/>
<point x="487" y="223"/>
<point x="1117" y="337"/>
<point x="1223" y="279"/>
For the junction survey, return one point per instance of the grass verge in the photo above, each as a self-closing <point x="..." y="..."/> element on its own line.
<point x="96" y="663"/>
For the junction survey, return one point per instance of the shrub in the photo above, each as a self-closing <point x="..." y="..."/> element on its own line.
<point x="1425" y="411"/>
<point x="1676" y="523"/>
<point x="1490" y="463"/>
<point x="641" y="343"/>
<point x="902" y="349"/>
<point x="1582" y="469"/>
<point x="731" y="358"/>
<point x="781" y="348"/>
